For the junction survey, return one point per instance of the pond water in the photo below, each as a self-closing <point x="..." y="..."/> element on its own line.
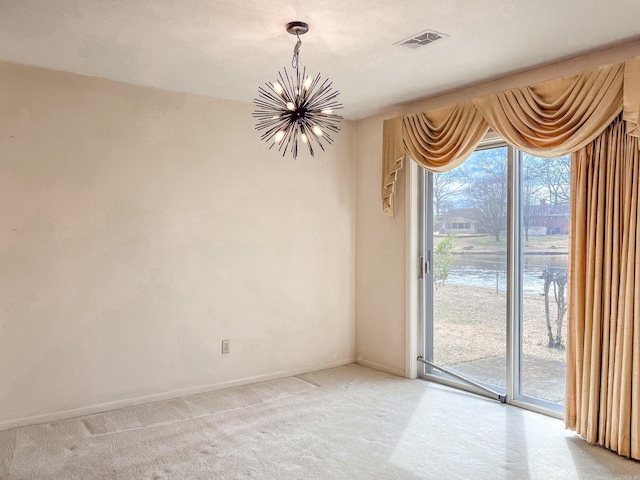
<point x="490" y="271"/>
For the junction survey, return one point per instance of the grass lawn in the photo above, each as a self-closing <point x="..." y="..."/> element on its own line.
<point x="470" y="337"/>
<point x="470" y="324"/>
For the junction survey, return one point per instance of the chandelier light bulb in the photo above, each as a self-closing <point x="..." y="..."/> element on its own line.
<point x="279" y="136"/>
<point x="304" y="138"/>
<point x="278" y="88"/>
<point x="317" y="130"/>
<point x="327" y="112"/>
<point x="291" y="106"/>
<point x="307" y="83"/>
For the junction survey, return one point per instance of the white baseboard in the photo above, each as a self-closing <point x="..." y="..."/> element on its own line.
<point x="130" y="402"/>
<point x="383" y="368"/>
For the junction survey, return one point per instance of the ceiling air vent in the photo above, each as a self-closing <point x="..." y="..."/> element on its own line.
<point x="420" y="39"/>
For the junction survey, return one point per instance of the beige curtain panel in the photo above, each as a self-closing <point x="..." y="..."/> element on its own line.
<point x="603" y="340"/>
<point x="549" y="119"/>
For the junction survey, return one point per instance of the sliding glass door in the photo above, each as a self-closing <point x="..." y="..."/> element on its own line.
<point x="495" y="250"/>
<point x="544" y="253"/>
<point x="468" y="231"/>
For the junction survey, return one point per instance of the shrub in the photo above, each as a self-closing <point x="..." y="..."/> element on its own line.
<point x="443" y="260"/>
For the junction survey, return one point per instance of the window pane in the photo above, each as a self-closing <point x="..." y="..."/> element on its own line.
<point x="545" y="239"/>
<point x="470" y="214"/>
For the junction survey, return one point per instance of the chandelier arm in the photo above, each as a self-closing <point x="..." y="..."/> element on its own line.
<point x="274" y="98"/>
<point x="289" y="89"/>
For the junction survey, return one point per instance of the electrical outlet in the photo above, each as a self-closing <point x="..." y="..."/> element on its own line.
<point x="225" y="347"/>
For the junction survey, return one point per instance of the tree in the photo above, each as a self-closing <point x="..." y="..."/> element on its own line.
<point x="556" y="277"/>
<point x="531" y="192"/>
<point x="443" y="259"/>
<point x="553" y="175"/>
<point x="445" y="186"/>
<point x="486" y="189"/>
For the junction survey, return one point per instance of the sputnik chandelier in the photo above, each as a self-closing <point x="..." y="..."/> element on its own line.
<point x="297" y="107"/>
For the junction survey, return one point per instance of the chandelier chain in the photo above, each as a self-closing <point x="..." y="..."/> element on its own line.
<point x="296" y="52"/>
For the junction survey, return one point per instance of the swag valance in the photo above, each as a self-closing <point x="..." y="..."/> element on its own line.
<point x="549" y="119"/>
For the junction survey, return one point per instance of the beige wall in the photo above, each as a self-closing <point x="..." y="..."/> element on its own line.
<point x="380" y="259"/>
<point x="139" y="228"/>
<point x="386" y="320"/>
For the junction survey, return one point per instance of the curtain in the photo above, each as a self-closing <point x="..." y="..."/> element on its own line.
<point x="432" y="139"/>
<point x="435" y="140"/>
<point x="603" y="342"/>
<point x="392" y="161"/>
<point x="596" y="117"/>
<point x="548" y="119"/>
<point x="632" y="96"/>
<point x="556" y="117"/>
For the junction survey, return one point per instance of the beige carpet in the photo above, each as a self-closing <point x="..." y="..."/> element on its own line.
<point x="344" y="423"/>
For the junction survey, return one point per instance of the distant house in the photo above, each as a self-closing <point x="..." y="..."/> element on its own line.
<point x="548" y="219"/>
<point x="458" y="220"/>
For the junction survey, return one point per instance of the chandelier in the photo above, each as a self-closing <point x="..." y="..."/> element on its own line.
<point x="297" y="106"/>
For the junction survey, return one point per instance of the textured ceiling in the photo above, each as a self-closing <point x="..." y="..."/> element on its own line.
<point x="227" y="48"/>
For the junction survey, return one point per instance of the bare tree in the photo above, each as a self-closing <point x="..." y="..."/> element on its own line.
<point x="531" y="193"/>
<point x="485" y="190"/>
<point x="445" y="186"/>
<point x="556" y="278"/>
<point x="554" y="175"/>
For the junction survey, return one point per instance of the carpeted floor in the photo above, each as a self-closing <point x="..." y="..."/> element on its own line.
<point x="345" y="423"/>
